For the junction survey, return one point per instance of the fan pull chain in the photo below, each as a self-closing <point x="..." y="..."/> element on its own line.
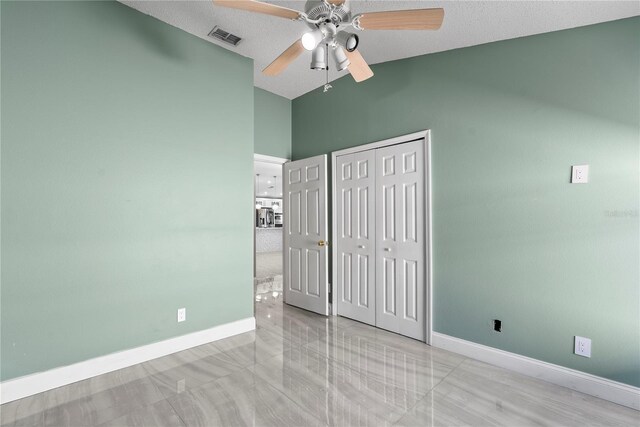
<point x="327" y="86"/>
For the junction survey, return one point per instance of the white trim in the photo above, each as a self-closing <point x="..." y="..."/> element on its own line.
<point x="334" y="236"/>
<point x="428" y="236"/>
<point x="426" y="136"/>
<point x="423" y="134"/>
<point x="603" y="388"/>
<point x="268" y="159"/>
<point x="28" y="385"/>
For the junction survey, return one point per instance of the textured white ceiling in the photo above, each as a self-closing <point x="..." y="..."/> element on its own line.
<point x="466" y="23"/>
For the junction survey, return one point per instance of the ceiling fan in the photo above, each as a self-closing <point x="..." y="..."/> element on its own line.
<point x="327" y="21"/>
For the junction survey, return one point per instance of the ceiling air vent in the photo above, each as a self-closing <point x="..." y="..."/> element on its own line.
<point x="220" y="34"/>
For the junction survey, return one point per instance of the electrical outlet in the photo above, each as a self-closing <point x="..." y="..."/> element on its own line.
<point x="182" y="314"/>
<point x="580" y="174"/>
<point x="497" y="325"/>
<point x="582" y="346"/>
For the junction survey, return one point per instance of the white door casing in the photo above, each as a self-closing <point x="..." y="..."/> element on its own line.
<point x="355" y="187"/>
<point x="400" y="239"/>
<point x="305" y="234"/>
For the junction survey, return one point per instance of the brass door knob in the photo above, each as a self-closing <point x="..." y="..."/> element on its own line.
<point x="323" y="243"/>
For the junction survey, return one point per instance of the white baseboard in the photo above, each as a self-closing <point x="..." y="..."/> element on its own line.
<point x="603" y="388"/>
<point x="42" y="381"/>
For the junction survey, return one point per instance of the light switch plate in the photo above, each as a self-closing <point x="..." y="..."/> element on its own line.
<point x="582" y="346"/>
<point x="580" y="174"/>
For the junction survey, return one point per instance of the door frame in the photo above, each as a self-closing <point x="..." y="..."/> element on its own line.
<point x="263" y="158"/>
<point x="424" y="135"/>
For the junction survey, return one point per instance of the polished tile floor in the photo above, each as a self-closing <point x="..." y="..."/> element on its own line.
<point x="268" y="273"/>
<point x="300" y="369"/>
<point x="268" y="264"/>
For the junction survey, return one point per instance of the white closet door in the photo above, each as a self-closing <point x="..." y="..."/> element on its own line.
<point x="355" y="187"/>
<point x="400" y="239"/>
<point x="305" y="234"/>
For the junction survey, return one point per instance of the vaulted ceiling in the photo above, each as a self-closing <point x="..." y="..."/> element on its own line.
<point x="466" y="23"/>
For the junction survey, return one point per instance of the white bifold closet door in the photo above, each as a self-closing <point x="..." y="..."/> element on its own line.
<point x="381" y="238"/>
<point x="400" y="239"/>
<point x="356" y="236"/>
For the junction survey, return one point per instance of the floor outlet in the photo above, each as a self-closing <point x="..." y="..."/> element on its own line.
<point x="182" y="314"/>
<point x="582" y="346"/>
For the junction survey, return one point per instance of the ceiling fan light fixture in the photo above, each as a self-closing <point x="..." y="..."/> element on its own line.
<point x="312" y="39"/>
<point x="341" y="59"/>
<point x="324" y="17"/>
<point x="347" y="40"/>
<point x="318" y="58"/>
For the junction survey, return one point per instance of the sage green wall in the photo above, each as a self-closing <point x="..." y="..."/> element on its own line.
<point x="272" y="124"/>
<point x="512" y="239"/>
<point x="122" y="137"/>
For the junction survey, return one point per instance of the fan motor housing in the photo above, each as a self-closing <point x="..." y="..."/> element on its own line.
<point x="316" y="9"/>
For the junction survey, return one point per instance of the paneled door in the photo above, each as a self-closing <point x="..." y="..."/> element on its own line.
<point x="400" y="239"/>
<point x="305" y="234"/>
<point x="355" y="199"/>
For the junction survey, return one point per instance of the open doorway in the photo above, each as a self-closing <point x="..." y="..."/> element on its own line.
<point x="268" y="231"/>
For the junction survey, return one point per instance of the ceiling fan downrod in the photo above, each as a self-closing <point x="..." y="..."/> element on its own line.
<point x="327" y="86"/>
